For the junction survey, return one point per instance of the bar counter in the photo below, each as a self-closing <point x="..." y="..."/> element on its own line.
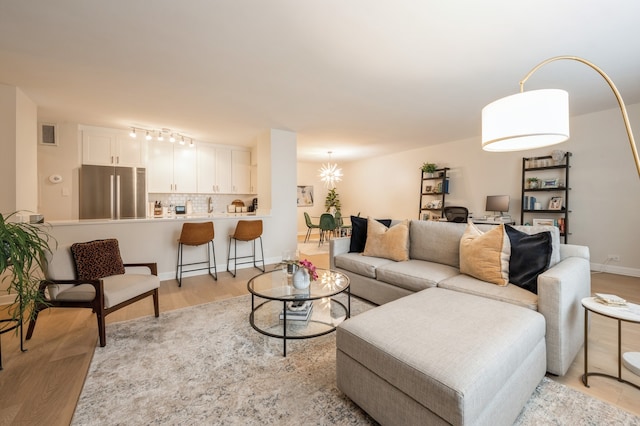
<point x="154" y="239"/>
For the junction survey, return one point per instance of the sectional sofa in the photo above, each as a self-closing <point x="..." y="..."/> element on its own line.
<point x="434" y="260"/>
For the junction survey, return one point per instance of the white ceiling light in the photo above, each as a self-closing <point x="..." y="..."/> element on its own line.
<point x="133" y="132"/>
<point x="330" y="174"/>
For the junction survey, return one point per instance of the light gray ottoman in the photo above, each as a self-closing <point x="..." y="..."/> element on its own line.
<point x="442" y="357"/>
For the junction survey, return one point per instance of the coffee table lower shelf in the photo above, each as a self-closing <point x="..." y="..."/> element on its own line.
<point x="325" y="317"/>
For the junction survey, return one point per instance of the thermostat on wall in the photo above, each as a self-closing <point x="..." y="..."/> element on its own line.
<point x="55" y="178"/>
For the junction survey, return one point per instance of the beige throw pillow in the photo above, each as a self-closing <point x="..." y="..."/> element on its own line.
<point x="486" y="255"/>
<point x="389" y="243"/>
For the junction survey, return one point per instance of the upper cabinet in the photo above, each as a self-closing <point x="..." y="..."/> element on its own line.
<point x="172" y="168"/>
<point x="223" y="170"/>
<point x="241" y="172"/>
<point x="104" y="148"/>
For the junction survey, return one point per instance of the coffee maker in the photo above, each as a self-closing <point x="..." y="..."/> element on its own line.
<point x="254" y="205"/>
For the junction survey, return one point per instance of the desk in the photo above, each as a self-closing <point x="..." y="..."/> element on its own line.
<point x="629" y="313"/>
<point x="491" y="222"/>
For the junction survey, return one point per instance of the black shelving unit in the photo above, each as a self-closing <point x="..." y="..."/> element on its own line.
<point x="553" y="183"/>
<point x="433" y="189"/>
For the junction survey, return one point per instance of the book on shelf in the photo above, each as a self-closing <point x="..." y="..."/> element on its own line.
<point x="610" y="299"/>
<point x="298" y="311"/>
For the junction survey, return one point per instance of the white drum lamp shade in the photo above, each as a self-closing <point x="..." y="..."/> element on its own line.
<point x="527" y="120"/>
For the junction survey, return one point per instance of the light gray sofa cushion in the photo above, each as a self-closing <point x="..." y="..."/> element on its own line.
<point x="510" y="293"/>
<point x="449" y="351"/>
<point x="415" y="275"/>
<point x="437" y="242"/>
<point x="359" y="264"/>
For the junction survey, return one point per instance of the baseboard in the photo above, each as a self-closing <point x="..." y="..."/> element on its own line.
<point x="611" y="269"/>
<point x="165" y="276"/>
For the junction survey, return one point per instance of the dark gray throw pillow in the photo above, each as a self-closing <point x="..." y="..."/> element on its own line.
<point x="530" y="256"/>
<point x="359" y="232"/>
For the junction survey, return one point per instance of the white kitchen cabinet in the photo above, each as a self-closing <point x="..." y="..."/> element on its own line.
<point x="254" y="179"/>
<point x="214" y="169"/>
<point x="206" y="168"/>
<point x="241" y="172"/>
<point x="104" y="148"/>
<point x="171" y="168"/>
<point x="223" y="170"/>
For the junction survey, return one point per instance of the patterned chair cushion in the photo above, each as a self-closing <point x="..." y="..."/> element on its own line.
<point x="97" y="259"/>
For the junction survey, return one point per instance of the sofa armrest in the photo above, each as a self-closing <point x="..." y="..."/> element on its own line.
<point x="572" y="250"/>
<point x="560" y="292"/>
<point x="338" y="246"/>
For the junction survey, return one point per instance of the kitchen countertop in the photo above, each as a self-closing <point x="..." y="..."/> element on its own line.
<point x="172" y="218"/>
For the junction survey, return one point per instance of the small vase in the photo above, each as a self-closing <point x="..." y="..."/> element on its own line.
<point x="301" y="279"/>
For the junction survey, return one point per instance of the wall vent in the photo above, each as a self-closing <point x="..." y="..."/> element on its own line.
<point x="48" y="134"/>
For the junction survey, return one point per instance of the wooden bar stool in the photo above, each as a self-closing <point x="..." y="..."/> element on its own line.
<point x="196" y="234"/>
<point x="246" y="230"/>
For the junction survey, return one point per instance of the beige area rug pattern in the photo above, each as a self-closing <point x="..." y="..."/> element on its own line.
<point x="206" y="365"/>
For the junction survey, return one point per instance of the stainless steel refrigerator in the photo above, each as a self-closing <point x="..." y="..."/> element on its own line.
<point x="108" y="192"/>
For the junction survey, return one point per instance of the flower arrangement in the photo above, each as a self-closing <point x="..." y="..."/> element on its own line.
<point x="310" y="267"/>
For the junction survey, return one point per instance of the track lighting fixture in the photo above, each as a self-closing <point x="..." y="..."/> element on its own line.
<point x="160" y="135"/>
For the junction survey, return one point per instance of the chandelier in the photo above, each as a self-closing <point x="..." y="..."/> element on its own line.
<point x="330" y="174"/>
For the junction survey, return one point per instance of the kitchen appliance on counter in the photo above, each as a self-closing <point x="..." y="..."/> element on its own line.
<point x="108" y="192"/>
<point x="254" y="205"/>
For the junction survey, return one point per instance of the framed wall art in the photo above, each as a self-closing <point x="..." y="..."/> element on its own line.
<point x="305" y="195"/>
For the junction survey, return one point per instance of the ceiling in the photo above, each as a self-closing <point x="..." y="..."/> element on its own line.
<point x="359" y="78"/>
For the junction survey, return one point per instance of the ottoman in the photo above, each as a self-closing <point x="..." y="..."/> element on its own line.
<point x="442" y="357"/>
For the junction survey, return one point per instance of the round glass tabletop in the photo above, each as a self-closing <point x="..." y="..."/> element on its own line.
<point x="277" y="285"/>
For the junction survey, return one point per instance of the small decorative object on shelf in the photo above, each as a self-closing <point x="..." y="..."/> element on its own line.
<point x="429" y="169"/>
<point x="298" y="310"/>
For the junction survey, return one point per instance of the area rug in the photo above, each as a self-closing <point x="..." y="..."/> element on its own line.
<point x="312" y="248"/>
<point x="206" y="365"/>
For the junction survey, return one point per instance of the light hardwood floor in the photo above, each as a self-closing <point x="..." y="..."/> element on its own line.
<point x="42" y="385"/>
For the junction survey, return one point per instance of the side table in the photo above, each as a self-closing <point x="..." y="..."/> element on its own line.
<point x="629" y="313"/>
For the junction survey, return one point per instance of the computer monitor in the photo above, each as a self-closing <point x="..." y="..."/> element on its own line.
<point x="498" y="204"/>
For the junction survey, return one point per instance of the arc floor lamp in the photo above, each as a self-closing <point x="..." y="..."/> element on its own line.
<point x="540" y="118"/>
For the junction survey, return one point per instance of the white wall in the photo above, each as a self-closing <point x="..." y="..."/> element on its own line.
<point x="8" y="147"/>
<point x="18" y="140"/>
<point x="59" y="201"/>
<point x="604" y="199"/>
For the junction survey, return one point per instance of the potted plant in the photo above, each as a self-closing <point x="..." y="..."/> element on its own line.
<point x="23" y="247"/>
<point x="532" y="182"/>
<point x="332" y="202"/>
<point x="429" y="168"/>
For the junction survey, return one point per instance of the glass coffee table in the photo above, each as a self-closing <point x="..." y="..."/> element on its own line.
<point x="276" y="305"/>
